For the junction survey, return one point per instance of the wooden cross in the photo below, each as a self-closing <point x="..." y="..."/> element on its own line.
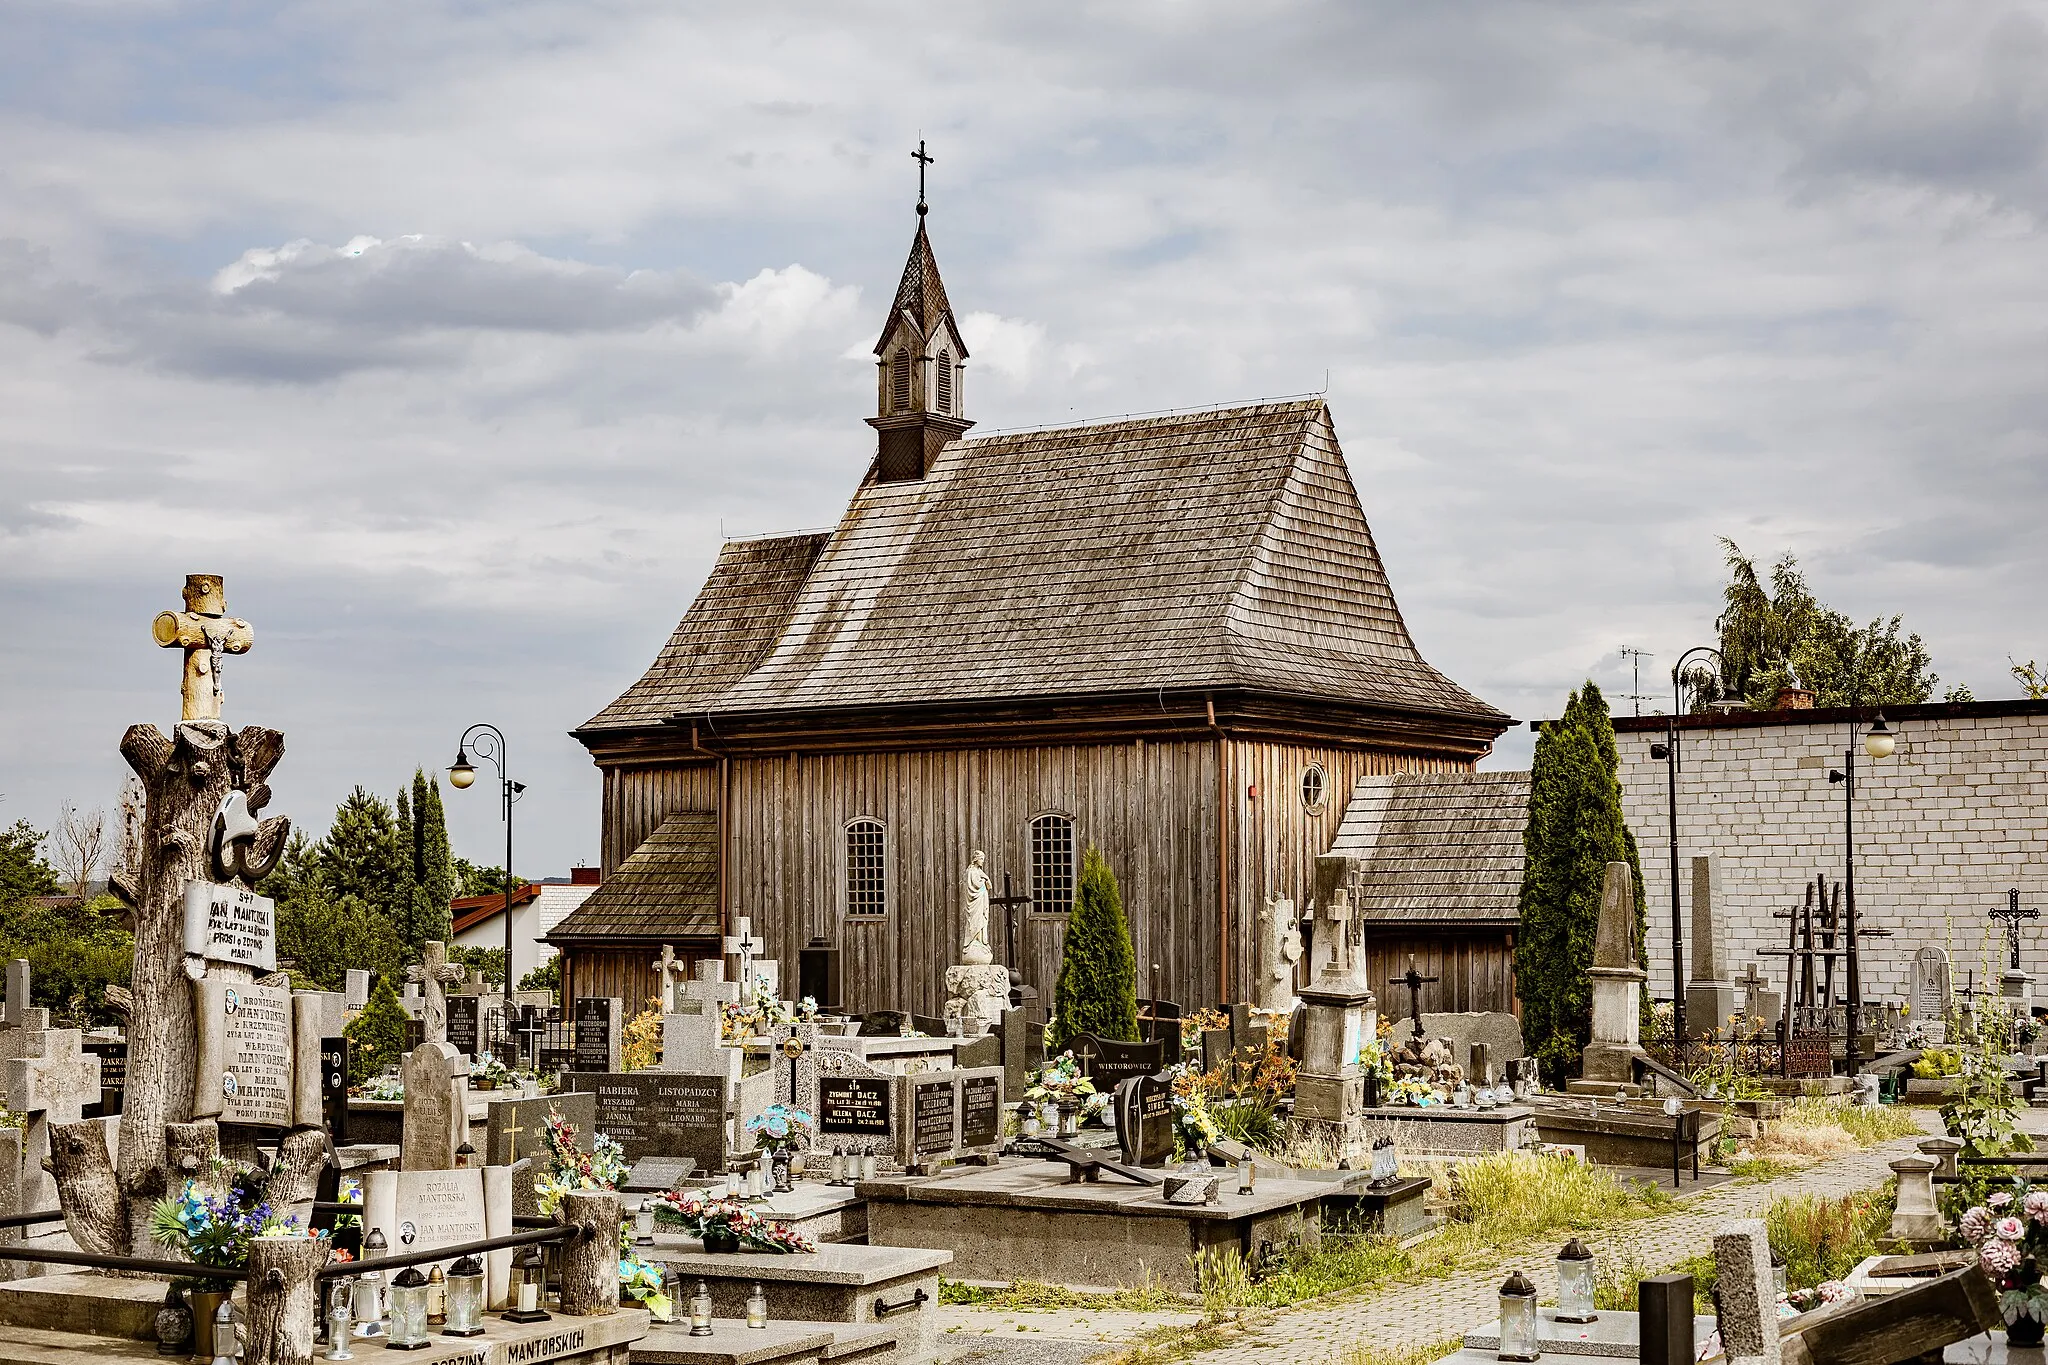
<point x="432" y="974"/>
<point x="204" y="631"/>
<point x="1414" y="981"/>
<point x="1008" y="903"/>
<point x="922" y="161"/>
<point x="2012" y="915"/>
<point x="744" y="945"/>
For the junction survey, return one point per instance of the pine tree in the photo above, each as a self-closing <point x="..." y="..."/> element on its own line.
<point x="378" y="1032"/>
<point x="364" y="854"/>
<point x="1098" y="984"/>
<point x="433" y="860"/>
<point x="1575" y="828"/>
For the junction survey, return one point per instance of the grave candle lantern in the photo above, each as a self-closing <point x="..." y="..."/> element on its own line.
<point x="409" y="1311"/>
<point x="757" y="1307"/>
<point x="368" y="1304"/>
<point x="1247" y="1175"/>
<point x="465" y="1298"/>
<point x="700" y="1311"/>
<point x="643" y="1223"/>
<point x="1577" y="1273"/>
<point x="340" y="1318"/>
<point x="1518" y="1319"/>
<point x="437" y="1298"/>
<point x="464" y="1155"/>
<point x="1778" y="1274"/>
<point x="529" y="1282"/>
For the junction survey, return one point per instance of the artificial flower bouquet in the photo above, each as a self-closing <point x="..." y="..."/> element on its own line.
<point x="718" y="1218"/>
<point x="216" y="1230"/>
<point x="1414" y="1090"/>
<point x="564" y="1168"/>
<point x="1059" y="1082"/>
<point x="781" y="1128"/>
<point x="641" y="1282"/>
<point x="2010" y="1232"/>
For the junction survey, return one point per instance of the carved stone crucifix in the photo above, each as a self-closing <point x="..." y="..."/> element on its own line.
<point x="434" y="974"/>
<point x="668" y="970"/>
<point x="742" y="943"/>
<point x="205" y="631"/>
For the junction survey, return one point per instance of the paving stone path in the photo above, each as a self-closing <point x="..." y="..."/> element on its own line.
<point x="1328" y="1330"/>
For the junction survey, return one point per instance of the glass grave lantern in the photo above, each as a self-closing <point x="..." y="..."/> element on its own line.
<point x="368" y="1305"/>
<point x="1577" y="1275"/>
<point x="529" y="1285"/>
<point x="1519" y="1320"/>
<point x="340" y="1318"/>
<point x="757" y="1307"/>
<point x="643" y="1223"/>
<point x="465" y="1298"/>
<point x="700" y="1310"/>
<point x="408" y="1311"/>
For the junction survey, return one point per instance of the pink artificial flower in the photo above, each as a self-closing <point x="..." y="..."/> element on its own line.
<point x="1975" y="1225"/>
<point x="2000" y="1200"/>
<point x="2036" y="1205"/>
<point x="2000" y="1258"/>
<point x="2009" y="1229"/>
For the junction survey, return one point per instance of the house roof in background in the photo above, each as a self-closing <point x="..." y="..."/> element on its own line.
<point x="1438" y="846"/>
<point x="667" y="889"/>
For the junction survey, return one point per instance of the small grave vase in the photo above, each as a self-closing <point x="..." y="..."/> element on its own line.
<point x="1577" y="1274"/>
<point x="1519" y="1320"/>
<point x="2024" y="1332"/>
<point x="779" y="1165"/>
<point x="721" y="1240"/>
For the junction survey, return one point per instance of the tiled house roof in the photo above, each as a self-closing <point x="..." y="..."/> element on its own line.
<point x="668" y="888"/>
<point x="1438" y="846"/>
<point x="1222" y="549"/>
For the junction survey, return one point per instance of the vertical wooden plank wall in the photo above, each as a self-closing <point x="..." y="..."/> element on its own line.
<point x="637" y="800"/>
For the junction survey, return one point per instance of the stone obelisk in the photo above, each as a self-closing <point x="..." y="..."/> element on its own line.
<point x="1617" y="986"/>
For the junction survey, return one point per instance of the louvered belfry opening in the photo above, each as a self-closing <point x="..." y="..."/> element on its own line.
<point x="899" y="381"/>
<point x="944" y="372"/>
<point x="916" y="421"/>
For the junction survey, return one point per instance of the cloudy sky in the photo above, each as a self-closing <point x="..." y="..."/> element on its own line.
<point x="457" y="335"/>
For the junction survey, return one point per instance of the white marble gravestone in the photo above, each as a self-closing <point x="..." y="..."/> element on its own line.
<point x="1930" y="999"/>
<point x="419" y="1210"/>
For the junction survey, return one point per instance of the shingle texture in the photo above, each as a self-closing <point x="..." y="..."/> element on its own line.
<point x="1438" y="846"/>
<point x="1214" y="549"/>
<point x="920" y="296"/>
<point x="668" y="888"/>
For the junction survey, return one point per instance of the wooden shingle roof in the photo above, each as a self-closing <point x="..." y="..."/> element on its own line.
<point x="1214" y="549"/>
<point x="667" y="888"/>
<point x="1444" y="847"/>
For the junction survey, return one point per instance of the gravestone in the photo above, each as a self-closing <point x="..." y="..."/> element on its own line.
<point x="1762" y="1007"/>
<point x="856" y="1105"/>
<point x="1709" y="995"/>
<point x="928" y="1117"/>
<point x="1015" y="1031"/>
<point x="598" y="1033"/>
<point x="519" y="1128"/>
<point x="436" y="1119"/>
<point x="934" y="1116"/>
<point x="1279" y="951"/>
<point x="46" y="1078"/>
<point x="10" y="1199"/>
<point x="244" y="1071"/>
<point x="1501" y="1032"/>
<point x="1143" y="1106"/>
<point x="420" y="1210"/>
<point x="1744" y="1290"/>
<point x="334" y="1064"/>
<point x="981" y="1110"/>
<point x="355" y="991"/>
<point x="464" y="1023"/>
<point x="661" y="1113"/>
<point x="691" y="1037"/>
<point x="113" y="1055"/>
<point x="1107" y="1061"/>
<point x="1609" y="1060"/>
<point x="228" y="924"/>
<point x="1931" y="992"/>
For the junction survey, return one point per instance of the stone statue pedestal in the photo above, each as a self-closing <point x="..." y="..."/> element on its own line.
<point x="1329" y="1088"/>
<point x="977" y="993"/>
<point x="1617" y="1026"/>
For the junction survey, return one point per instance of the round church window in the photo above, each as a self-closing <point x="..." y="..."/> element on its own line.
<point x="1313" y="787"/>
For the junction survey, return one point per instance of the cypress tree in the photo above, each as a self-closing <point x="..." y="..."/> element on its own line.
<point x="1098" y="985"/>
<point x="1575" y="828"/>
<point x="378" y="1032"/>
<point x="433" y="860"/>
<point x="404" y="911"/>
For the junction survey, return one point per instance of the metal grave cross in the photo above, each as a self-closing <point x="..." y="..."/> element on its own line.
<point x="743" y="944"/>
<point x="435" y="972"/>
<point x="2012" y="915"/>
<point x="1414" y="980"/>
<point x="205" y="631"/>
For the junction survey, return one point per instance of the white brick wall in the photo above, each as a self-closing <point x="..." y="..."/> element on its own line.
<point x="1943" y="827"/>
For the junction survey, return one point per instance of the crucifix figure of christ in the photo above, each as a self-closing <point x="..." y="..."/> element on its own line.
<point x="434" y="974"/>
<point x="205" y="631"/>
<point x="2012" y="915"/>
<point x="1414" y="980"/>
<point x="742" y="943"/>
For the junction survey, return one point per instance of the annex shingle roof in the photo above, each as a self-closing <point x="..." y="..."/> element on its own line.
<point x="1437" y="846"/>
<point x="1203" y="550"/>
<point x="667" y="888"/>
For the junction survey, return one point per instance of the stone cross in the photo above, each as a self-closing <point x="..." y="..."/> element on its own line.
<point x="670" y="971"/>
<point x="742" y="943"/>
<point x="14" y="1012"/>
<point x="433" y="975"/>
<point x="204" y="631"/>
<point x="47" y="1078"/>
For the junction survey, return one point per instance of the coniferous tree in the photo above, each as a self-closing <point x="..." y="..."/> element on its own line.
<point x="1098" y="983"/>
<point x="364" y="854"/>
<point x="404" y="898"/>
<point x="1575" y="828"/>
<point x="378" y="1032"/>
<point x="433" y="860"/>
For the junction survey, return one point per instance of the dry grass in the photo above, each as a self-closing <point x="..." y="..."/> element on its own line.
<point x="1789" y="1138"/>
<point x="1401" y="1355"/>
<point x="1033" y="1296"/>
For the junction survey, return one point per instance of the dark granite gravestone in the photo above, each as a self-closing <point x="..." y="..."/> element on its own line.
<point x="463" y="1021"/>
<point x="1159" y="1022"/>
<point x="853" y="1106"/>
<point x="334" y="1059"/>
<point x="929" y="1026"/>
<point x="934" y="1116"/>
<point x="882" y="1024"/>
<point x="113" y="1055"/>
<point x="1215" y="1048"/>
<point x="1143" y="1106"/>
<point x="981" y="1111"/>
<point x="597" y="1033"/>
<point x="518" y="1128"/>
<point x="659" y="1113"/>
<point x="1106" y="1061"/>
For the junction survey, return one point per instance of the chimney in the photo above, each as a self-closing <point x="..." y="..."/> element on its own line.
<point x="1792" y="699"/>
<point x="584" y="876"/>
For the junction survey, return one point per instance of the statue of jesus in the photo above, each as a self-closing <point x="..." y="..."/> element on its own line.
<point x="974" y="949"/>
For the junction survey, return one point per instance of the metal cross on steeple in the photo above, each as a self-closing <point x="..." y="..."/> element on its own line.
<point x="922" y="160"/>
<point x="2012" y="915"/>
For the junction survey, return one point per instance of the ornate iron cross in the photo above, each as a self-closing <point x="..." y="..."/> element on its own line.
<point x="2012" y="915"/>
<point x="1414" y="980"/>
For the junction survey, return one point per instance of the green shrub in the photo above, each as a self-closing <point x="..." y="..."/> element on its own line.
<point x="1098" y="984"/>
<point x="378" y="1033"/>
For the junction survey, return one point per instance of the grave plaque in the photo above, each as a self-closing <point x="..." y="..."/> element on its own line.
<point x="1107" y="1062"/>
<point x="1931" y="990"/>
<point x="981" y="1111"/>
<point x="659" y="1113"/>
<point x="464" y="1013"/>
<point x="515" y="1129"/>
<point x="853" y="1105"/>
<point x="334" y="1059"/>
<point x="246" y="1051"/>
<point x="934" y="1115"/>
<point x="597" y="1033"/>
<point x="230" y="924"/>
<point x="1144" y="1120"/>
<point x="113" y="1055"/>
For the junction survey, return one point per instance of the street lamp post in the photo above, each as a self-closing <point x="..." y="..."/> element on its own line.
<point x="489" y="743"/>
<point x="1878" y="743"/>
<point x="1668" y="752"/>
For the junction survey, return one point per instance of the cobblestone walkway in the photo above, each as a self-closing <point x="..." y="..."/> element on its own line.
<point x="1330" y="1329"/>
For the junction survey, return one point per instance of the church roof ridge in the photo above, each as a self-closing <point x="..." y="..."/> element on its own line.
<point x="1114" y="419"/>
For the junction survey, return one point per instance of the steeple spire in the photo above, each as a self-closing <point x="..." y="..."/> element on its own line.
<point x="920" y="361"/>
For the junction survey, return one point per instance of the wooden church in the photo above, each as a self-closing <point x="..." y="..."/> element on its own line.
<point x="1169" y="637"/>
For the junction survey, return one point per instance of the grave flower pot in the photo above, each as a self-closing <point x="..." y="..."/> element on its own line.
<point x="723" y="1240"/>
<point x="2023" y="1332"/>
<point x="205" y="1303"/>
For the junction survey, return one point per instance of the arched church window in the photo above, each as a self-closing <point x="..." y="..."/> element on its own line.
<point x="899" y="381"/>
<point x="945" y="367"/>
<point x="867" y="895"/>
<point x="1052" y="865"/>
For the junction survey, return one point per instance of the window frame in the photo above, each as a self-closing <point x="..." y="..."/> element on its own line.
<point x="901" y="397"/>
<point x="1321" y="802"/>
<point x="1072" y="875"/>
<point x="856" y="863"/>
